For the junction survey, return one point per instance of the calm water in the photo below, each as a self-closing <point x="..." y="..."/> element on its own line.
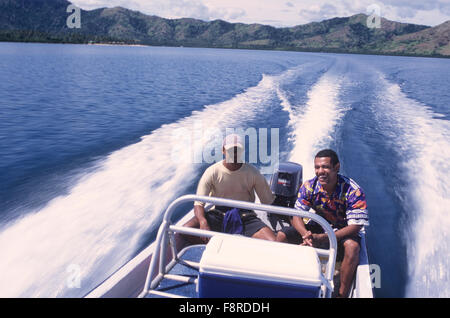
<point x="87" y="137"/>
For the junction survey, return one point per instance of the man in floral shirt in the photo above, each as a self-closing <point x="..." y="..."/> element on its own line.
<point x="342" y="203"/>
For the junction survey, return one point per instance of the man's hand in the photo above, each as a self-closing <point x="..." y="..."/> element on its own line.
<point x="199" y="212"/>
<point x="314" y="240"/>
<point x="204" y="225"/>
<point x="307" y="239"/>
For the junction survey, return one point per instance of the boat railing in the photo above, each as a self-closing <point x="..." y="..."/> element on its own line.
<point x="158" y="270"/>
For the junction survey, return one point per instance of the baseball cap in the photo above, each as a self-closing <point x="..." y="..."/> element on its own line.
<point x="233" y="140"/>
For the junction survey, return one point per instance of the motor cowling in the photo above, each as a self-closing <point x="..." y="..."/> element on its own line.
<point x="285" y="183"/>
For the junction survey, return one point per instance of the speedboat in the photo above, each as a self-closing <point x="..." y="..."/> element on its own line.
<point x="234" y="266"/>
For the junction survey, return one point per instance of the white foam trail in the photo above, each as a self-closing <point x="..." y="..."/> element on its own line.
<point x="314" y="124"/>
<point x="99" y="223"/>
<point x="423" y="143"/>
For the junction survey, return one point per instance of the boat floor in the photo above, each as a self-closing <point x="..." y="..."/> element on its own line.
<point x="192" y="254"/>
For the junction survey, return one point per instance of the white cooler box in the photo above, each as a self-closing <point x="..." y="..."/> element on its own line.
<point x="243" y="267"/>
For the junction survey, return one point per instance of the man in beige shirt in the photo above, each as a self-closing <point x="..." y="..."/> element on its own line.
<point x="232" y="179"/>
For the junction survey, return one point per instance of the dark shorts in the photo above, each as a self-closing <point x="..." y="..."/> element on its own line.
<point x="251" y="222"/>
<point x="294" y="237"/>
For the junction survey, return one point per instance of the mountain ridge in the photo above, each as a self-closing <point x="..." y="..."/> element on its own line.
<point x="45" y="21"/>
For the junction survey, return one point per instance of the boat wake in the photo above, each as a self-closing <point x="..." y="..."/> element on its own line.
<point x="69" y="246"/>
<point x="314" y="123"/>
<point x="421" y="141"/>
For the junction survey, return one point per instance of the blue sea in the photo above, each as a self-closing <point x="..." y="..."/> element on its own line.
<point x="87" y="163"/>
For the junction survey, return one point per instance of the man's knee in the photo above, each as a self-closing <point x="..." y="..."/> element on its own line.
<point x="281" y="237"/>
<point x="265" y="233"/>
<point x="352" y="249"/>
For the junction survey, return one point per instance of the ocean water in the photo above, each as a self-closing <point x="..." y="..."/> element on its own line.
<point x="87" y="161"/>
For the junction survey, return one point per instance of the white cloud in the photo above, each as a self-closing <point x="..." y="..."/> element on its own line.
<point x="163" y="8"/>
<point x="289" y="4"/>
<point x="282" y="13"/>
<point x="319" y="13"/>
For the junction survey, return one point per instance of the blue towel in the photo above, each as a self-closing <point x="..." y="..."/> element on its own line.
<point x="232" y="222"/>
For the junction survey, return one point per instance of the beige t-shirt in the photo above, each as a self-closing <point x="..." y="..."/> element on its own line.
<point x="218" y="181"/>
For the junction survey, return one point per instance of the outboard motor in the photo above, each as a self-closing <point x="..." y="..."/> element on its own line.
<point x="285" y="183"/>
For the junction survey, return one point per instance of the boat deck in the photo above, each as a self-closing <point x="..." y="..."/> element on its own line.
<point x="183" y="289"/>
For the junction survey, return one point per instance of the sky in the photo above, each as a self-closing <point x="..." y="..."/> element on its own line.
<point x="283" y="13"/>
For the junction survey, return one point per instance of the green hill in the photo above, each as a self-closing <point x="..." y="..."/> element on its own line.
<point x="45" y="21"/>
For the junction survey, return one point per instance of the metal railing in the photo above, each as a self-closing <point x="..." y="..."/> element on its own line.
<point x="153" y="278"/>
